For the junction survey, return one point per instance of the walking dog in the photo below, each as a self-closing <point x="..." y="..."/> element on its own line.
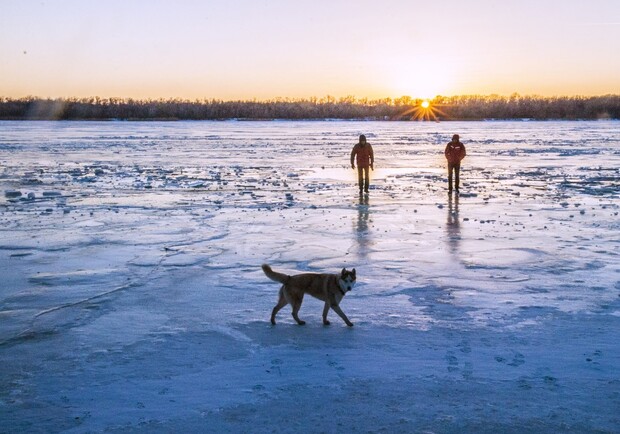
<point x="330" y="288"/>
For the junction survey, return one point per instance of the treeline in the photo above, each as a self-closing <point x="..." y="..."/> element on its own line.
<point x="468" y="107"/>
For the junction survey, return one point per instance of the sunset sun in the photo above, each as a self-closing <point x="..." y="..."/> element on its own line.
<point x="424" y="111"/>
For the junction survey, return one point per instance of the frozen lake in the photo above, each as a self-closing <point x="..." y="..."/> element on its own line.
<point x="132" y="299"/>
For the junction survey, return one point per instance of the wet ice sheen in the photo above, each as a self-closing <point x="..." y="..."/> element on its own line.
<point x="132" y="296"/>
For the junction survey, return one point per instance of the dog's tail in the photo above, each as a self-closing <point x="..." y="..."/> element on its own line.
<point x="277" y="277"/>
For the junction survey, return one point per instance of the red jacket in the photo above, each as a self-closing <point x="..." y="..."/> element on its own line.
<point x="364" y="155"/>
<point x="455" y="152"/>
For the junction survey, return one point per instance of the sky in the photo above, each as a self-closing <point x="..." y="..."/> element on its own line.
<point x="266" y="49"/>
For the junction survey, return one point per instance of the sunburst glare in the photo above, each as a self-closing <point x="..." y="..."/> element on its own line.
<point x="424" y="111"/>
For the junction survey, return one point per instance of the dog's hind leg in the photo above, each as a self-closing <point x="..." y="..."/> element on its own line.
<point x="281" y="303"/>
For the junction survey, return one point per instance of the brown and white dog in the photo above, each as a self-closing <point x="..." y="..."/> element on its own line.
<point x="330" y="288"/>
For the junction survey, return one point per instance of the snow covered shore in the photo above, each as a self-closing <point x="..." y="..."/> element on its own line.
<point x="132" y="298"/>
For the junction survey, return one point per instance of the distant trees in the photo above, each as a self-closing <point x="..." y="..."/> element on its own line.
<point x="465" y="107"/>
<point x="533" y="107"/>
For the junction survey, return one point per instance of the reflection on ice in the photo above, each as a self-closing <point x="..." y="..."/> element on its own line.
<point x="362" y="229"/>
<point x="453" y="224"/>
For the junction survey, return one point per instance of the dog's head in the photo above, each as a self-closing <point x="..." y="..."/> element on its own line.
<point x="346" y="280"/>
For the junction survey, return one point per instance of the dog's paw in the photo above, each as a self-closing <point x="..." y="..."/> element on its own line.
<point x="350" y="324"/>
<point x="300" y="322"/>
<point x="326" y="322"/>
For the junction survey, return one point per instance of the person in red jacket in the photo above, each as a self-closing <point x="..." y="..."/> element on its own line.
<point x="455" y="152"/>
<point x="365" y="158"/>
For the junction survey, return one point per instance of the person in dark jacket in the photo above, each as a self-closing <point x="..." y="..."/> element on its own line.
<point x="455" y="152"/>
<point x="365" y="158"/>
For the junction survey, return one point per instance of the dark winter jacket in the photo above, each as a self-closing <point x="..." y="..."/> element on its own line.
<point x="455" y="152"/>
<point x="364" y="155"/>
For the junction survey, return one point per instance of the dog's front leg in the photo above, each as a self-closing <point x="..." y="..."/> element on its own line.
<point x="341" y="314"/>
<point x="325" y="311"/>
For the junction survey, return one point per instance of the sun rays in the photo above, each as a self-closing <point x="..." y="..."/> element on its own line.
<point x="424" y="111"/>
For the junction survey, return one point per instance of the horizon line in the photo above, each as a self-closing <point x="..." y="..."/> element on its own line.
<point x="322" y="99"/>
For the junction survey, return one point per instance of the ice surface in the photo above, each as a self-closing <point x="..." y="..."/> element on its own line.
<point x="132" y="299"/>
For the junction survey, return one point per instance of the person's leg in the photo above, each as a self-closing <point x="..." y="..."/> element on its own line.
<point x="457" y="170"/>
<point x="366" y="178"/>
<point x="360" y="178"/>
<point x="450" y="168"/>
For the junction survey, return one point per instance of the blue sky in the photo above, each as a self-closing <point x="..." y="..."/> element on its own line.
<point x="263" y="49"/>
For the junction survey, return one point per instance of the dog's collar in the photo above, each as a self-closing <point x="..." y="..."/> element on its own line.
<point x="340" y="289"/>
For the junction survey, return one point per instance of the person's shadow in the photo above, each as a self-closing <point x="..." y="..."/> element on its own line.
<point x="361" y="227"/>
<point x="453" y="224"/>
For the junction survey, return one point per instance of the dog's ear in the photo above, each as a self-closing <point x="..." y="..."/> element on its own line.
<point x="353" y="272"/>
<point x="343" y="272"/>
